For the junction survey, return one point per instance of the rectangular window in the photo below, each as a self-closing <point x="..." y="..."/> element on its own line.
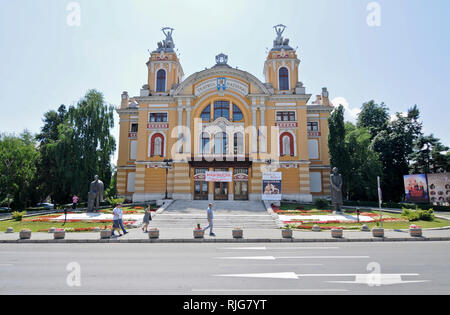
<point x="158" y="117"/>
<point x="134" y="128"/>
<point x="286" y="116"/>
<point x="313" y="126"/>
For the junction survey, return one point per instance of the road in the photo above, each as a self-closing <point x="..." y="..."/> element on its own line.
<point x="201" y="269"/>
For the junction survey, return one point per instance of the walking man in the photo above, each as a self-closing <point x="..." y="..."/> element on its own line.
<point x="116" y="215"/>
<point x="121" y="221"/>
<point x="210" y="215"/>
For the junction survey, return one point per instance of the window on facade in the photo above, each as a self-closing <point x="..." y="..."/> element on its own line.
<point x="286" y="144"/>
<point x="206" y="114"/>
<point x="237" y="114"/>
<point x="285" y="116"/>
<point x="222" y="109"/>
<point x="283" y="77"/>
<point x="313" y="126"/>
<point x="157" y="145"/>
<point x="205" y="143"/>
<point x="158" y="117"/>
<point x="161" y="81"/>
<point x="134" y="128"/>
<point x="220" y="143"/>
<point x="238" y="143"/>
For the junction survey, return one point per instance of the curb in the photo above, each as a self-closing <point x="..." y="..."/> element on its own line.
<point x="192" y="241"/>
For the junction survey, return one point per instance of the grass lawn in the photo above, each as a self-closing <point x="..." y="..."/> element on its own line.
<point x="436" y="223"/>
<point x="69" y="226"/>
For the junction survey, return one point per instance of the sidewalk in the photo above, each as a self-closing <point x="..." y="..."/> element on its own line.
<point x="223" y="235"/>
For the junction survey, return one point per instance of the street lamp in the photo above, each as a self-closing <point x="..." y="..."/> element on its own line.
<point x="168" y="164"/>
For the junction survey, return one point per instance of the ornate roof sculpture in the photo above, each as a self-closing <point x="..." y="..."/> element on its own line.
<point x="166" y="45"/>
<point x="222" y="60"/>
<point x="280" y="43"/>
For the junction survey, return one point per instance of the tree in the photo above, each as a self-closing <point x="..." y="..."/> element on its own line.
<point x="339" y="156"/>
<point x="51" y="183"/>
<point x="364" y="163"/>
<point x="395" y="144"/>
<point x="427" y="156"/>
<point x="18" y="160"/>
<point x="374" y="117"/>
<point x="85" y="145"/>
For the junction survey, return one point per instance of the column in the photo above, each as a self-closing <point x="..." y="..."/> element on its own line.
<point x="187" y="147"/>
<point x="263" y="129"/>
<point x="180" y="125"/>
<point x="254" y="127"/>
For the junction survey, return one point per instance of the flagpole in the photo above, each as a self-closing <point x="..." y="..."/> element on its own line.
<point x="380" y="200"/>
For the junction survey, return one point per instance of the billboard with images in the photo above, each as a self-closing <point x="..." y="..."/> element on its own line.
<point x="271" y="186"/>
<point x="439" y="188"/>
<point x="416" y="188"/>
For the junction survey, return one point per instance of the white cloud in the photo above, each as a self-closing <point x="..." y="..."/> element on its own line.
<point x="350" y="114"/>
<point x="393" y="117"/>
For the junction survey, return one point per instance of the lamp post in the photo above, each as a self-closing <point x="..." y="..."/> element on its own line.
<point x="167" y="165"/>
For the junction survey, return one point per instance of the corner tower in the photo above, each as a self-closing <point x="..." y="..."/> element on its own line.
<point x="164" y="68"/>
<point x="281" y="66"/>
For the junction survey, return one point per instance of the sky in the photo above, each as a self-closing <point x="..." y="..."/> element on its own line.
<point x="392" y="51"/>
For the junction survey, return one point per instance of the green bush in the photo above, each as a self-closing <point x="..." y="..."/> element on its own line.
<point x="321" y="203"/>
<point x="18" y="216"/>
<point x="416" y="215"/>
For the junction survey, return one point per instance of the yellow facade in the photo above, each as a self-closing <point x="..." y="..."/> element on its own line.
<point x="223" y="119"/>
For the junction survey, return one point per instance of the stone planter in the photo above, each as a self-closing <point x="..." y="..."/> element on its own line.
<point x="199" y="233"/>
<point x="25" y="234"/>
<point x="415" y="232"/>
<point x="337" y="233"/>
<point x="10" y="230"/>
<point x="286" y="233"/>
<point x="153" y="233"/>
<point x="378" y="232"/>
<point x="316" y="228"/>
<point x="365" y="228"/>
<point x="104" y="234"/>
<point x="238" y="233"/>
<point x="59" y="235"/>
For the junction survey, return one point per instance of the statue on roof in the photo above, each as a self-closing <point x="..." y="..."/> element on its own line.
<point x="167" y="44"/>
<point x="280" y="42"/>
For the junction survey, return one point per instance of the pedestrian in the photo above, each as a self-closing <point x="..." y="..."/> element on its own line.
<point x="74" y="202"/>
<point x="210" y="217"/>
<point x="121" y="221"/>
<point x="147" y="219"/>
<point x="116" y="215"/>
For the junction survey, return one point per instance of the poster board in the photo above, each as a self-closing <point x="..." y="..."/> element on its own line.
<point x="271" y="188"/>
<point x="439" y="188"/>
<point x="416" y="188"/>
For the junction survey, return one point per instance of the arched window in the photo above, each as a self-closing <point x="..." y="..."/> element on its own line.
<point x="222" y="109"/>
<point x="283" y="79"/>
<point x="238" y="143"/>
<point x="161" y="80"/>
<point x="206" y="114"/>
<point x="205" y="149"/>
<point x="220" y="143"/>
<point x="237" y="114"/>
<point x="286" y="144"/>
<point x="157" y="145"/>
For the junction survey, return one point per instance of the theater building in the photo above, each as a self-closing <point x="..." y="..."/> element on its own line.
<point x="223" y="119"/>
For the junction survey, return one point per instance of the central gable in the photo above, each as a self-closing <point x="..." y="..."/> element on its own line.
<point x="221" y="83"/>
<point x="237" y="80"/>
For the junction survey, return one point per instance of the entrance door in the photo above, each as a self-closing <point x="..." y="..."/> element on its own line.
<point x="200" y="191"/>
<point x="240" y="190"/>
<point x="220" y="191"/>
<point x="200" y="186"/>
<point x="241" y="184"/>
<point x="221" y="188"/>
